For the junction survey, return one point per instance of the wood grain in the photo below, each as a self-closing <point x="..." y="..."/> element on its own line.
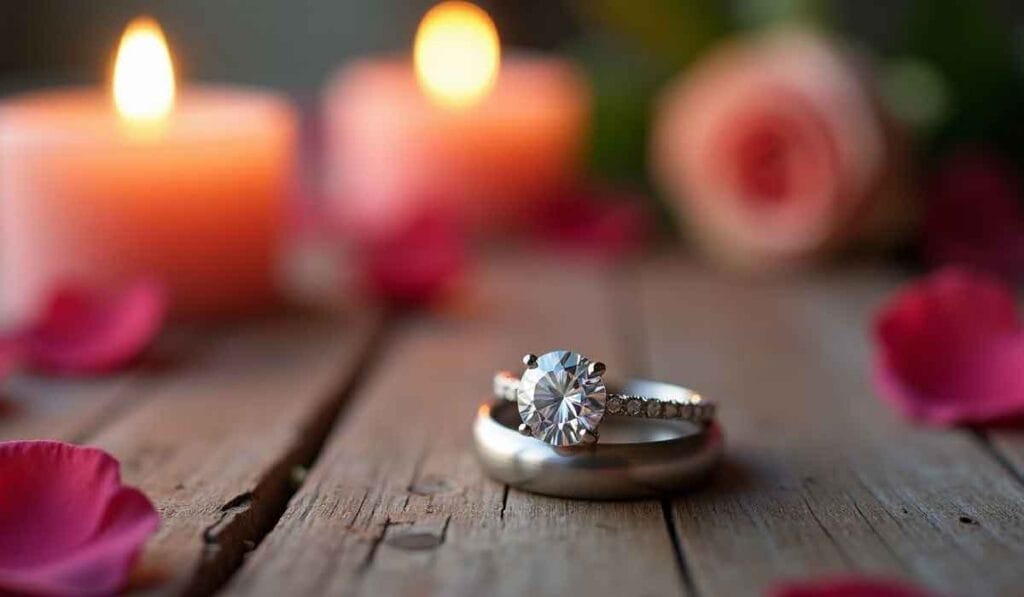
<point x="217" y="439"/>
<point x="397" y="504"/>
<point x="822" y="478"/>
<point x="73" y="408"/>
<point x="1007" y="445"/>
<point x="35" y="407"/>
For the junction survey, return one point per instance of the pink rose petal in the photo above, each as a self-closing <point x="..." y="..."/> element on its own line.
<point x="849" y="587"/>
<point x="415" y="264"/>
<point x="79" y="333"/>
<point x="67" y="524"/>
<point x="950" y="350"/>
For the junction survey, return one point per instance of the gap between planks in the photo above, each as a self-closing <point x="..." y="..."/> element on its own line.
<point x="821" y="478"/>
<point x="244" y="523"/>
<point x="838" y="532"/>
<point x="400" y="506"/>
<point x="240" y="526"/>
<point x="623" y="285"/>
<point x="216" y="430"/>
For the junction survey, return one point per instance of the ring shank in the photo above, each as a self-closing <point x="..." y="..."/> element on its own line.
<point x="634" y="459"/>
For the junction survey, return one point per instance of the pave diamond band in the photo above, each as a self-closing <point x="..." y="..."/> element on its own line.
<point x="684" y="404"/>
<point x="562" y="398"/>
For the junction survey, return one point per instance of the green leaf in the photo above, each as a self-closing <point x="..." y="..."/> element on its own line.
<point x="671" y="31"/>
<point x="624" y="82"/>
<point x="764" y="13"/>
<point x="972" y="49"/>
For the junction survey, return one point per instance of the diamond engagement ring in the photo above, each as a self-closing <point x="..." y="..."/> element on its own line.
<point x="562" y="398"/>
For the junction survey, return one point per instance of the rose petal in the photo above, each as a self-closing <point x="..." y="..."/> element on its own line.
<point x="601" y="223"/>
<point x="849" y="587"/>
<point x="67" y="524"/>
<point x="975" y="216"/>
<point x="80" y="333"/>
<point x="950" y="349"/>
<point x="415" y="264"/>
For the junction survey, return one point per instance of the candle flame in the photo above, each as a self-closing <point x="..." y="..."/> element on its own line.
<point x="143" y="73"/>
<point x="457" y="53"/>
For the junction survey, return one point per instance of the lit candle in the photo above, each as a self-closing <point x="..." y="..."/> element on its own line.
<point x="459" y="128"/>
<point x="187" y="189"/>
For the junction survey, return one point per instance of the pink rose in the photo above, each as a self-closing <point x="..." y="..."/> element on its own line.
<point x="772" y="149"/>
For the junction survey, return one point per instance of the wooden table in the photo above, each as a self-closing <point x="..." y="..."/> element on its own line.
<point x="314" y="454"/>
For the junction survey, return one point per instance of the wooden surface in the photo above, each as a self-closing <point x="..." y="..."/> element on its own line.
<point x="330" y="455"/>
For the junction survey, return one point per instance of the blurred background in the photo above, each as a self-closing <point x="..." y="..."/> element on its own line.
<point x="292" y="45"/>
<point x="913" y="104"/>
<point x="296" y="44"/>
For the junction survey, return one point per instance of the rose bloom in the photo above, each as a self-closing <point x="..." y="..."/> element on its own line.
<point x="771" y="148"/>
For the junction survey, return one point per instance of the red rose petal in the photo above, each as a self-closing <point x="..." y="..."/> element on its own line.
<point x="10" y="356"/>
<point x="417" y="263"/>
<point x="849" y="587"/>
<point x="597" y="222"/>
<point x="67" y="524"/>
<point x="79" y="333"/>
<point x="951" y="350"/>
<point x="975" y="217"/>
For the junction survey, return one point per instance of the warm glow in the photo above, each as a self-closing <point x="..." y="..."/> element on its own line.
<point x="143" y="74"/>
<point x="457" y="53"/>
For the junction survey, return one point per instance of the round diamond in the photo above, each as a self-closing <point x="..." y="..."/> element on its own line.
<point x="653" y="408"/>
<point x="633" y="406"/>
<point x="671" y="411"/>
<point x="614" y="404"/>
<point x="559" y="399"/>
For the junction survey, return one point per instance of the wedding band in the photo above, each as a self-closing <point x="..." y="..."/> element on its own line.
<point x="562" y="399"/>
<point x="636" y="458"/>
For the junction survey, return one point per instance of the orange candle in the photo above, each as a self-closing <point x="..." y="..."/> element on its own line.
<point x="185" y="188"/>
<point x="459" y="128"/>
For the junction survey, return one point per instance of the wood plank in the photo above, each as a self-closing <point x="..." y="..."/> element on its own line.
<point x="822" y="478"/>
<point x="36" y="407"/>
<point x="1008" y="446"/>
<point x="215" y="439"/>
<point x="397" y="504"/>
<point x="1007" y="441"/>
<point x="72" y="408"/>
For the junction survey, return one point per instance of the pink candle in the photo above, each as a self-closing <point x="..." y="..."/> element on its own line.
<point x="454" y="131"/>
<point x="189" y="193"/>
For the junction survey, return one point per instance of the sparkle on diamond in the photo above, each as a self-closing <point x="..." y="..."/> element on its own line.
<point x="558" y="399"/>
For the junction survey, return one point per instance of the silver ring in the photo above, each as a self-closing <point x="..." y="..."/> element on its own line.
<point x="635" y="459"/>
<point x="563" y="399"/>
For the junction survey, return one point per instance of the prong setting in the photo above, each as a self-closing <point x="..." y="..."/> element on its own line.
<point x="588" y="437"/>
<point x="596" y="368"/>
<point x="559" y="397"/>
<point x="525" y="430"/>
